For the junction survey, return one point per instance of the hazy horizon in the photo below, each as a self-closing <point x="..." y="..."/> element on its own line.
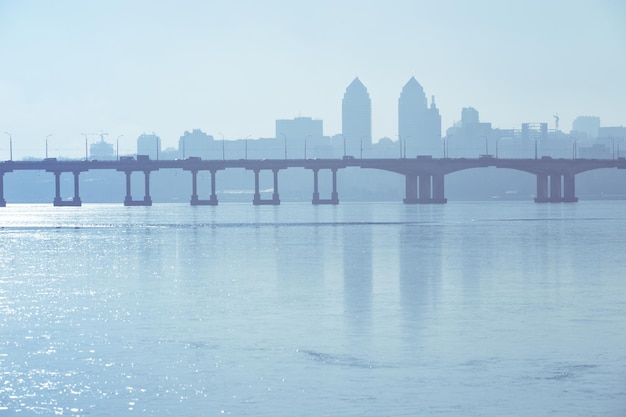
<point x="233" y="68"/>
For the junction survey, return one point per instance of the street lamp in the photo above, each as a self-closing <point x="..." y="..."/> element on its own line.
<point x="497" y="140"/>
<point x="85" y="135"/>
<point x="47" y="144"/>
<point x="364" y="136"/>
<point x="10" y="146"/>
<point x="117" y="147"/>
<point x="402" y="145"/>
<point x="486" y="145"/>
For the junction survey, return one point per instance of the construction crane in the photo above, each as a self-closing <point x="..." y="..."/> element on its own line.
<point x="556" y="121"/>
<point x="101" y="134"/>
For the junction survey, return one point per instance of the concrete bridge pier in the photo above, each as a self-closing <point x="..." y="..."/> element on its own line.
<point x="431" y="189"/>
<point x="147" y="200"/>
<point x="3" y="202"/>
<point x="58" y="201"/>
<point x="556" y="188"/>
<point x="569" y="191"/>
<point x="258" y="201"/>
<point x="334" y="197"/>
<point x="439" y="196"/>
<point x="195" y="201"/>
<point x="410" y="193"/>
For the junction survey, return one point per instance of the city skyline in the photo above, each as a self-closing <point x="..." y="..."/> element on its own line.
<point x="126" y="69"/>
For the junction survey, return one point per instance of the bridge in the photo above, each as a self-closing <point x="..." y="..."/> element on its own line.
<point x="424" y="175"/>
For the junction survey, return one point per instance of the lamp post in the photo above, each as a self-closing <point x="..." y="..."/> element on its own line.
<point x="497" y="140"/>
<point x="50" y="134"/>
<point x="246" y="143"/>
<point x="10" y="146"/>
<point x="613" y="140"/>
<point x="85" y="135"/>
<point x="364" y="136"/>
<point x="486" y="145"/>
<point x="402" y="145"/>
<point x="117" y="147"/>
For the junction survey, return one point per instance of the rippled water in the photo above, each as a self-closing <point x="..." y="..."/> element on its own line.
<point x="465" y="309"/>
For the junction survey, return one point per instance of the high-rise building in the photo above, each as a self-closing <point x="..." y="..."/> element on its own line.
<point x="356" y="118"/>
<point x="419" y="126"/>
<point x="149" y="144"/>
<point x="301" y="136"/>
<point x="589" y="125"/>
<point x="200" y="145"/>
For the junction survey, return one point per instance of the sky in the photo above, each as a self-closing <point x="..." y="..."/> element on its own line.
<point x="233" y="67"/>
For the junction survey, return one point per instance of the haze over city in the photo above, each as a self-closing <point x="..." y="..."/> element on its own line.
<point x="233" y="68"/>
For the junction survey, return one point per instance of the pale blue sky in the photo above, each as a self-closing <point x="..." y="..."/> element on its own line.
<point x="127" y="67"/>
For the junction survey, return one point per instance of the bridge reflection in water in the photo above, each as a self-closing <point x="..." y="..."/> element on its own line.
<point x="424" y="176"/>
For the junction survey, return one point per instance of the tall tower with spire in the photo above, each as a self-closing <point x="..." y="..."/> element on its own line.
<point x="356" y="118"/>
<point x="419" y="126"/>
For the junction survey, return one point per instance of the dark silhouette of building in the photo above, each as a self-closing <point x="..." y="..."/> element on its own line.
<point x="419" y="126"/>
<point x="302" y="137"/>
<point x="198" y="144"/>
<point x="356" y="118"/>
<point x="149" y="144"/>
<point x="101" y="150"/>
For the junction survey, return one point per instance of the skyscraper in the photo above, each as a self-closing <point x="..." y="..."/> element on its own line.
<point x="419" y="126"/>
<point x="356" y="118"/>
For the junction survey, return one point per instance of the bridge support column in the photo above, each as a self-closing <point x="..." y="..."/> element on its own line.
<point x="275" y="197"/>
<point x="129" y="198"/>
<point x="147" y="200"/>
<point x="257" y="194"/>
<point x="569" y="188"/>
<point x="213" y="199"/>
<point x="76" y="200"/>
<point x="555" y="188"/>
<point x="439" y="196"/>
<point x="431" y="189"/>
<point x="334" y="197"/>
<point x="424" y="188"/>
<point x="57" y="189"/>
<point x="410" y="194"/>
<point x="3" y="202"/>
<point x="561" y="188"/>
<point x="194" y="187"/>
<point x="542" y="189"/>
<point x="316" y="193"/>
<point x="195" y="201"/>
